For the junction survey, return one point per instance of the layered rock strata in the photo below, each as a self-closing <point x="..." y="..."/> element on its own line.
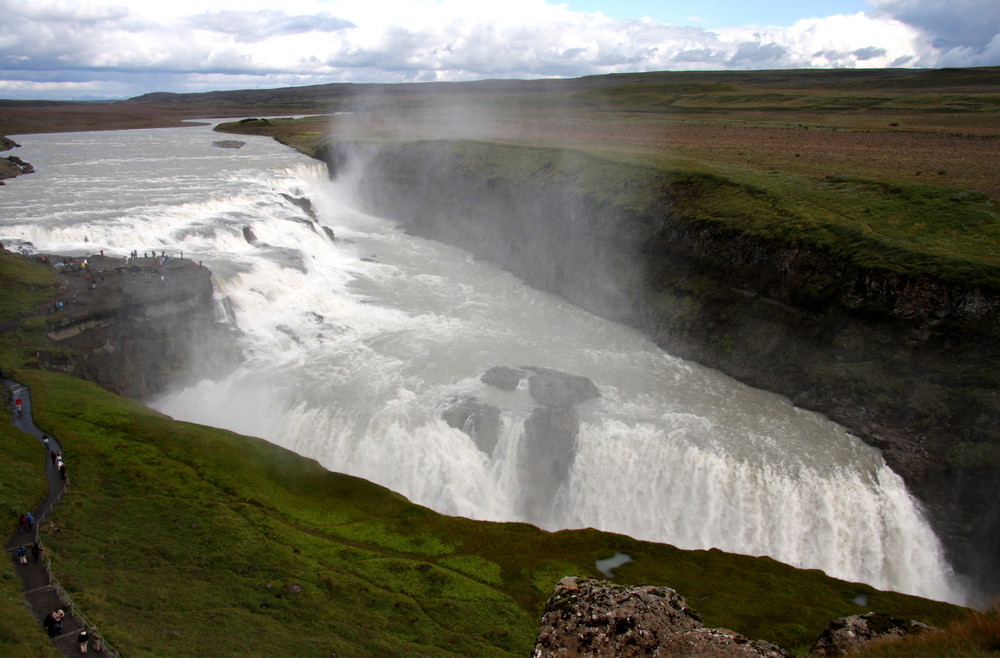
<point x="908" y="363"/>
<point x="133" y="327"/>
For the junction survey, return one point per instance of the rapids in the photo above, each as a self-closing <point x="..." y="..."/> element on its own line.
<point x="353" y="347"/>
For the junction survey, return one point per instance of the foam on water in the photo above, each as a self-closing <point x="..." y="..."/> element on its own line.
<point x="352" y="349"/>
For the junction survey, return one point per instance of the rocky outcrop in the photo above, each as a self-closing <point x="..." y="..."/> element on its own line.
<point x="586" y="617"/>
<point x="11" y="165"/>
<point x="229" y="144"/>
<point x="134" y="327"/>
<point x="848" y="635"/>
<point x="907" y="362"/>
<point x="549" y="444"/>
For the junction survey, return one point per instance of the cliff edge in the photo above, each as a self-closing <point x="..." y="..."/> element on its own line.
<point x="907" y="361"/>
<point x="133" y="325"/>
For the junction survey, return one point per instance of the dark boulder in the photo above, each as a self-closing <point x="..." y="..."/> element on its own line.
<point x="229" y="144"/>
<point x="550" y="388"/>
<point x="480" y="421"/>
<point x="594" y="618"/>
<point x="503" y="377"/>
<point x="303" y="204"/>
<point x="555" y="389"/>
<point x="545" y="457"/>
<point x="249" y="235"/>
<point x="848" y="635"/>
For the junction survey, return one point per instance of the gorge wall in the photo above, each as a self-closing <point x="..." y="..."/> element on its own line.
<point x="143" y="324"/>
<point x="908" y="363"/>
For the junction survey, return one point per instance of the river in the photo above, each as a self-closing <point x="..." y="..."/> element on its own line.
<point x="353" y="347"/>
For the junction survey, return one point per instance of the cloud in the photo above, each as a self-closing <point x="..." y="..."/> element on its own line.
<point x="249" y="27"/>
<point x="964" y="32"/>
<point x="185" y="45"/>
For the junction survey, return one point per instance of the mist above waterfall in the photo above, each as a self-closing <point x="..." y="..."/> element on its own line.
<point x="355" y="347"/>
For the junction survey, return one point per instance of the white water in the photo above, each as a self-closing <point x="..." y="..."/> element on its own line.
<point x="350" y="361"/>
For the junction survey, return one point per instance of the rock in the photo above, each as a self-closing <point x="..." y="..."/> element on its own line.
<point x="587" y="617"/>
<point x="551" y="388"/>
<point x="249" y="235"/>
<point x="229" y="144"/>
<point x="329" y="232"/>
<point x="135" y="331"/>
<point x="6" y="143"/>
<point x="504" y="378"/>
<point x="597" y="619"/>
<point x="848" y="635"/>
<point x="555" y="388"/>
<point x="544" y="460"/>
<point x="480" y="421"/>
<point x="12" y="166"/>
<point x="718" y="643"/>
<point x="302" y="203"/>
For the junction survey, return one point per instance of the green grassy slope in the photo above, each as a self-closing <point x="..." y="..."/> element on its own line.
<point x="182" y="540"/>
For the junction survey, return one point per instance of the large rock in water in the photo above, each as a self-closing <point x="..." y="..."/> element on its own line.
<point x="479" y="420"/>
<point x="548" y="449"/>
<point x="594" y="618"/>
<point x="544" y="460"/>
<point x="550" y="388"/>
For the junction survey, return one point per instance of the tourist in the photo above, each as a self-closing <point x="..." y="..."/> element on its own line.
<point x="83" y="638"/>
<point x="53" y="622"/>
<point x="36" y="552"/>
<point x="22" y="554"/>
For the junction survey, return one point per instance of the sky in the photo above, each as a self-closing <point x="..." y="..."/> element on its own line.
<point x="95" y="49"/>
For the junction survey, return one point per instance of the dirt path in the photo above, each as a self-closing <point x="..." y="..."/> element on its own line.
<point x="43" y="594"/>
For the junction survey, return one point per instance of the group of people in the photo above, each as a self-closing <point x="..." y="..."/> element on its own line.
<point x="36" y="553"/>
<point x="26" y="523"/>
<point x="85" y="638"/>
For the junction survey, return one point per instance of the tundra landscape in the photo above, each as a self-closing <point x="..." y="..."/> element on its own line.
<point x="830" y="236"/>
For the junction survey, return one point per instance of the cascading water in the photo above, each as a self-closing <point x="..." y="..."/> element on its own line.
<point x="354" y="349"/>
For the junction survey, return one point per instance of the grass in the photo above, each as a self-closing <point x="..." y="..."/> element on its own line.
<point x="184" y="540"/>
<point x="175" y="535"/>
<point x="909" y="228"/>
<point x="977" y="635"/>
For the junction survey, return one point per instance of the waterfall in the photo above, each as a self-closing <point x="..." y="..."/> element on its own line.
<point x="355" y="347"/>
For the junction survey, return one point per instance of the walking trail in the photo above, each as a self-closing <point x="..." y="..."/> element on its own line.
<point x="42" y="594"/>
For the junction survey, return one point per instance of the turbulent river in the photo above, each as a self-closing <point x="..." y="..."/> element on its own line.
<point x="353" y="347"/>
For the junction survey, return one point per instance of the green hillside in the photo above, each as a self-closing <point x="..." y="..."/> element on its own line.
<point x="182" y="540"/>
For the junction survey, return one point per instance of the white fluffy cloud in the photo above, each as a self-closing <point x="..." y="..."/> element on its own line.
<point x="102" y="47"/>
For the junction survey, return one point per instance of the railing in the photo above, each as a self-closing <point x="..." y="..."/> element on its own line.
<point x="68" y="603"/>
<point x="64" y="597"/>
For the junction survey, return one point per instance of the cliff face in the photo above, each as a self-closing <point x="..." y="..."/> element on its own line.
<point x="909" y="364"/>
<point x="142" y="324"/>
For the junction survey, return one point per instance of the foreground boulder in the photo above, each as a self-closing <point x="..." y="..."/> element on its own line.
<point x="587" y="617"/>
<point x="847" y="635"/>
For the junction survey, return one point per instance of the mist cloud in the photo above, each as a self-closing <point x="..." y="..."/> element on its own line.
<point x="121" y="49"/>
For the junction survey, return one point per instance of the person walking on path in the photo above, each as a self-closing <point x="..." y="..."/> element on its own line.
<point x="83" y="639"/>
<point x="31" y="521"/>
<point x="36" y="552"/>
<point x="53" y="622"/>
<point x="22" y="555"/>
<point x="22" y="524"/>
